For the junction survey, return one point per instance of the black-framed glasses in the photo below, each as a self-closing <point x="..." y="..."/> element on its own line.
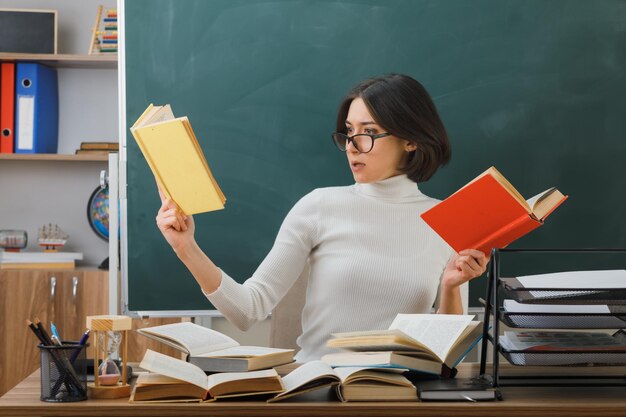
<point x="363" y="142"/>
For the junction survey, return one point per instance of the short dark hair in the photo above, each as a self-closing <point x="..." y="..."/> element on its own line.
<point x="403" y="107"/>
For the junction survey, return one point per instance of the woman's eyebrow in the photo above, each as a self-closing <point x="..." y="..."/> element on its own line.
<point x="367" y="122"/>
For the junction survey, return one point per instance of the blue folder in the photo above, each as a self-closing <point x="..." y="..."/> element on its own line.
<point x="36" y="109"/>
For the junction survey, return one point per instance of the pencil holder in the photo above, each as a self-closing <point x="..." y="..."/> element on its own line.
<point x="63" y="372"/>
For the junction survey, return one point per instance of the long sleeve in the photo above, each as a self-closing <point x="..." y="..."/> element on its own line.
<point x="245" y="304"/>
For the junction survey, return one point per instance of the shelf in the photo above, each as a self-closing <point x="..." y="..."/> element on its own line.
<point x="52" y="157"/>
<point x="65" y="60"/>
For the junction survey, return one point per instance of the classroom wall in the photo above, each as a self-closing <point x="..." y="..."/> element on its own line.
<point x="34" y="193"/>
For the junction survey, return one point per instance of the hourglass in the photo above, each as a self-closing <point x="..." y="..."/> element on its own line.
<point x="110" y="332"/>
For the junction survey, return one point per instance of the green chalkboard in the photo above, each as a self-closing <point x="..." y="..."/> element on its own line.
<point x="534" y="87"/>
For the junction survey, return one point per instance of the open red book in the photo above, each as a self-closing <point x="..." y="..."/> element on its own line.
<point x="489" y="213"/>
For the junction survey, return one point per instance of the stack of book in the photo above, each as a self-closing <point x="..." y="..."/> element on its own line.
<point x="239" y="371"/>
<point x="426" y="343"/>
<point x="39" y="260"/>
<point x="97" y="148"/>
<point x="234" y="370"/>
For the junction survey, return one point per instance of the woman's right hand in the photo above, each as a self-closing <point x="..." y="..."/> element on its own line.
<point x="176" y="227"/>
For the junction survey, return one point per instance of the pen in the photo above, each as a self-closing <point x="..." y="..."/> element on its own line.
<point x="56" y="340"/>
<point x="54" y="331"/>
<point x="81" y="342"/>
<point x="44" y="342"/>
<point x="75" y="353"/>
<point x="62" y="363"/>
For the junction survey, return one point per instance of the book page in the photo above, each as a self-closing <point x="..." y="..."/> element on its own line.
<point x="222" y="377"/>
<point x="174" y="368"/>
<point x="350" y="373"/>
<point x="242" y="352"/>
<point x="196" y="339"/>
<point x="438" y="332"/>
<point x="162" y="114"/>
<point x="306" y="373"/>
<point x="543" y="203"/>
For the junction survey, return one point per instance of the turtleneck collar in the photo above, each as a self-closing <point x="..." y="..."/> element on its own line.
<point x="398" y="189"/>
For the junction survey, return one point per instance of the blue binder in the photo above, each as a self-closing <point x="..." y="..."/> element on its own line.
<point x="36" y="109"/>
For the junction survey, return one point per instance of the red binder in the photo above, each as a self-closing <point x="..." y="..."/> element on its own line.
<point x="7" y="107"/>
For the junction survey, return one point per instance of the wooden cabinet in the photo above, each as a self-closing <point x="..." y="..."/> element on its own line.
<point x="64" y="297"/>
<point x="25" y="296"/>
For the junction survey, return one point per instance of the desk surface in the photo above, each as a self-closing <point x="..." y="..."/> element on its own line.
<point x="23" y="400"/>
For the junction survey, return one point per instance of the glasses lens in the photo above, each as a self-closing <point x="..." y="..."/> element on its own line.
<point x="363" y="143"/>
<point x="340" y="140"/>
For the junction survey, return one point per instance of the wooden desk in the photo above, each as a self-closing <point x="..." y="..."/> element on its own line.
<point x="23" y="400"/>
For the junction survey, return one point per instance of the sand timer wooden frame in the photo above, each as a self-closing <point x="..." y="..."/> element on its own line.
<point x="105" y="324"/>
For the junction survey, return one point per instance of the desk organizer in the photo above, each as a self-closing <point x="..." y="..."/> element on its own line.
<point x="501" y="288"/>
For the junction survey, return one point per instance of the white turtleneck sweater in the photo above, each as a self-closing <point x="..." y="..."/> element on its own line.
<point x="371" y="257"/>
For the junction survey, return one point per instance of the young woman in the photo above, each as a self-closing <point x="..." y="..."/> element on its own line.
<point x="370" y="253"/>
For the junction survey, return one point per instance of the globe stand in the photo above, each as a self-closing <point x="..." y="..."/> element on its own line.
<point x="98" y="215"/>
<point x="104" y="264"/>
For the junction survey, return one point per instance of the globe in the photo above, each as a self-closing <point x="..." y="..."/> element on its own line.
<point x="98" y="212"/>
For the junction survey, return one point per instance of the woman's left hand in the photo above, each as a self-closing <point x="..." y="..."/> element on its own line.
<point x="467" y="265"/>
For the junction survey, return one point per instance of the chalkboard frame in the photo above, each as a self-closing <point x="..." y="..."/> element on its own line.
<point x="448" y="180"/>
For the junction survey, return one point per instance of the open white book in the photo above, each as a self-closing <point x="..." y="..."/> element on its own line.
<point x="213" y="351"/>
<point x="439" y="338"/>
<point x="177" y="380"/>
<point x="352" y="383"/>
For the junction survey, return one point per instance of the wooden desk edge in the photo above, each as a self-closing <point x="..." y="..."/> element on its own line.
<point x="23" y="400"/>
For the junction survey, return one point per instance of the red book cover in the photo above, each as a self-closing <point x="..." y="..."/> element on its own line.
<point x="7" y="106"/>
<point x="482" y="215"/>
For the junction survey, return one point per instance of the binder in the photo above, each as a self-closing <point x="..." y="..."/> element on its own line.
<point x="37" y="109"/>
<point x="7" y="106"/>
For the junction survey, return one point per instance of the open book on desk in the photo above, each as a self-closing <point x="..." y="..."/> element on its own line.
<point x="489" y="212"/>
<point x="439" y="340"/>
<point x="213" y="351"/>
<point x="352" y="383"/>
<point x="177" y="162"/>
<point x="175" y="380"/>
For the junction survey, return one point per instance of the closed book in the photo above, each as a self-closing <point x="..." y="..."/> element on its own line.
<point x="37" y="109"/>
<point x="242" y="359"/>
<point x="383" y="359"/>
<point x="7" y="107"/>
<point x="39" y="257"/>
<point x="489" y="213"/>
<point x="175" y="157"/>
<point x="93" y="152"/>
<point x="213" y="351"/>
<point x="99" y="146"/>
<point x="454" y="389"/>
